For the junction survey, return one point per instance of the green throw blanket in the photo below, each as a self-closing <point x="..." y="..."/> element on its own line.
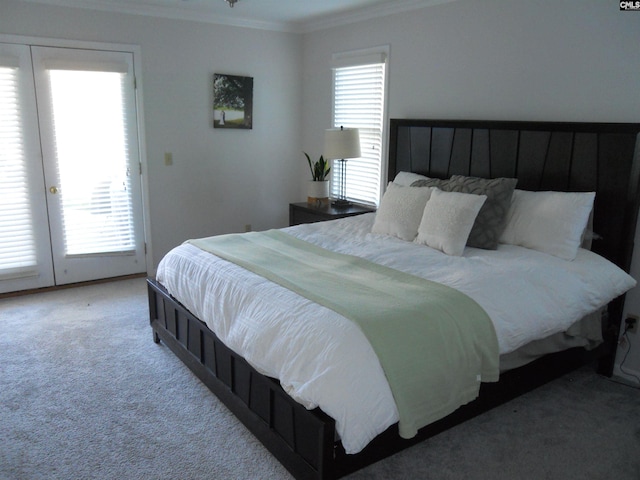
<point x="435" y="344"/>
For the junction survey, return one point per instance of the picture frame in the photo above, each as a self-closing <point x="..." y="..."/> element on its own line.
<point x="232" y="101"/>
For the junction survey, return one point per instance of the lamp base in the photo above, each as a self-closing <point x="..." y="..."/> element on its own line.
<point x="341" y="203"/>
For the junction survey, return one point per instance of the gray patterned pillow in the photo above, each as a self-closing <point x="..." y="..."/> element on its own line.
<point x="431" y="182"/>
<point x="490" y="221"/>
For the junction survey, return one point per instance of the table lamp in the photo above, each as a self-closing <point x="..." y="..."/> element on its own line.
<point x="341" y="144"/>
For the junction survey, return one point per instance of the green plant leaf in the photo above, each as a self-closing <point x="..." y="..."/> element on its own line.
<point x="319" y="169"/>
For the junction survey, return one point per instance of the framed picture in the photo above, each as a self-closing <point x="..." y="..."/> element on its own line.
<point x="232" y="101"/>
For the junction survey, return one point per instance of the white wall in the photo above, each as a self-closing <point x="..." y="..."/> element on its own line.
<point x="555" y="60"/>
<point x="220" y="180"/>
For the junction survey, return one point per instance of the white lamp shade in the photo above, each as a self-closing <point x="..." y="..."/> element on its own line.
<point x="340" y="143"/>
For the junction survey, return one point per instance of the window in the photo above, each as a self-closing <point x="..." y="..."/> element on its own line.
<point x="17" y="246"/>
<point x="358" y="102"/>
<point x="90" y="125"/>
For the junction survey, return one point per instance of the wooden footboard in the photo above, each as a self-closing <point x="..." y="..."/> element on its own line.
<point x="302" y="440"/>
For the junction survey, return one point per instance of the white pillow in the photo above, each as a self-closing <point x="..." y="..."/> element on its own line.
<point x="405" y="179"/>
<point x="400" y="211"/>
<point x="447" y="220"/>
<point x="550" y="222"/>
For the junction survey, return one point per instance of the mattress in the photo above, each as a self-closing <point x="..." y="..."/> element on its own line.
<point x="322" y="359"/>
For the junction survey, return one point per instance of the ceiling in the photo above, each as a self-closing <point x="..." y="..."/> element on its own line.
<point x="281" y="15"/>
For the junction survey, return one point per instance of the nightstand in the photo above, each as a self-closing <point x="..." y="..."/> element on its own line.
<point x="310" y="213"/>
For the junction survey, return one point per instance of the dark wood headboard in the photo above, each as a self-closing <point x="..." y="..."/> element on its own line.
<point x="599" y="157"/>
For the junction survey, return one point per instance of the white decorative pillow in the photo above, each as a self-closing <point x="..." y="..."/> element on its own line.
<point x="447" y="220"/>
<point x="400" y="211"/>
<point x="550" y="222"/>
<point x="405" y="179"/>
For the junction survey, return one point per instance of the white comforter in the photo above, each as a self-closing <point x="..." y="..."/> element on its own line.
<point x="322" y="359"/>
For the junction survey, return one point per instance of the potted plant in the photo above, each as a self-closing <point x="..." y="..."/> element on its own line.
<point x="318" y="187"/>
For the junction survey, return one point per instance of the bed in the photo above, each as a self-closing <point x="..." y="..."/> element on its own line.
<point x="600" y="158"/>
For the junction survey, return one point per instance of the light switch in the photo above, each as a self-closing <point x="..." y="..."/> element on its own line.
<point x="168" y="158"/>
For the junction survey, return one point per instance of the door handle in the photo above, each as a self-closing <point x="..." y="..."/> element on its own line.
<point x="53" y="190"/>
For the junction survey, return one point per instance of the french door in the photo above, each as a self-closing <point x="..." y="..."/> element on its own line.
<point x="70" y="189"/>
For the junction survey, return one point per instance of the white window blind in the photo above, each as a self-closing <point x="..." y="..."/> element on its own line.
<point x="18" y="254"/>
<point x="91" y="147"/>
<point x="358" y="102"/>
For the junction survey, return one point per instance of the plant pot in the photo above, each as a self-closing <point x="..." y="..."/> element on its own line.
<point x="318" y="192"/>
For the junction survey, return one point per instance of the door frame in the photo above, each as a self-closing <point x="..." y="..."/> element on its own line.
<point x="135" y="50"/>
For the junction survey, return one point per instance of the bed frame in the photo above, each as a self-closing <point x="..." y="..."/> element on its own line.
<point x="604" y="158"/>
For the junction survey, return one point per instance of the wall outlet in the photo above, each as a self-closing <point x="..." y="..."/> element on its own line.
<point x="631" y="323"/>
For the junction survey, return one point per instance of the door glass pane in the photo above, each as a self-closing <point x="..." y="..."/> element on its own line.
<point x="91" y="148"/>
<point x="18" y="254"/>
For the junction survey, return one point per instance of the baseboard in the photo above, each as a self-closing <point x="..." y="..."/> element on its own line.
<point x="52" y="288"/>
<point x="626" y="377"/>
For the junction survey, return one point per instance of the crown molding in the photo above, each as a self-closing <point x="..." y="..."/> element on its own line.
<point x="182" y="12"/>
<point x="177" y="12"/>
<point x="368" y="13"/>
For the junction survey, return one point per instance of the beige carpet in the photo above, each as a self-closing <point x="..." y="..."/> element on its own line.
<point x="86" y="394"/>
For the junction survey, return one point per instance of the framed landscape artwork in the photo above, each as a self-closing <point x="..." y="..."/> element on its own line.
<point x="232" y="101"/>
